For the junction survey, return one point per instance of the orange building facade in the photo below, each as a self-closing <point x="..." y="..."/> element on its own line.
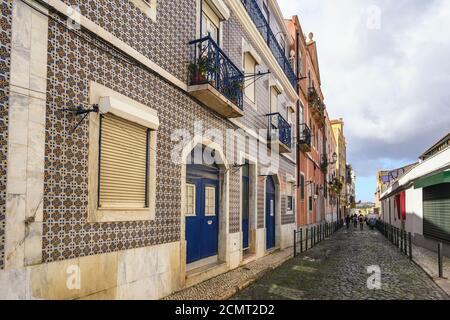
<point x="315" y="140"/>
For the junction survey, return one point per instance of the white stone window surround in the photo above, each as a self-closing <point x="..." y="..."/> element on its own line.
<point x="290" y="180"/>
<point x="248" y="49"/>
<point x="220" y="8"/>
<point x="147" y="6"/>
<point x="131" y="110"/>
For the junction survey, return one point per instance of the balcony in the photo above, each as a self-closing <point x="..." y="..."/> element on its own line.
<point x="316" y="105"/>
<point x="324" y="162"/>
<point x="279" y="131"/>
<point x="304" y="139"/>
<point x="266" y="32"/>
<point x="214" y="79"/>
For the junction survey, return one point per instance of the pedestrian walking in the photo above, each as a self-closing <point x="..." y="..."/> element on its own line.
<point x="355" y="221"/>
<point x="347" y="221"/>
<point x="361" y="222"/>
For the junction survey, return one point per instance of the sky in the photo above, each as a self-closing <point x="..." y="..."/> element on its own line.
<point x="385" y="69"/>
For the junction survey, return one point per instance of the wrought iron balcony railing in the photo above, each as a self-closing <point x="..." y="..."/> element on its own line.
<point x="317" y="106"/>
<point x="279" y="129"/>
<point x="263" y="26"/>
<point x="210" y="65"/>
<point x="304" y="138"/>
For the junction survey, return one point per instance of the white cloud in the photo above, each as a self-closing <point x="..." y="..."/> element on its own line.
<point x="391" y="85"/>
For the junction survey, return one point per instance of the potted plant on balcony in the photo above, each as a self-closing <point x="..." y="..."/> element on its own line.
<point x="201" y="69"/>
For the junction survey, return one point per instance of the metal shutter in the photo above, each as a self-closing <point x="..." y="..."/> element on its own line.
<point x="436" y="211"/>
<point x="249" y="68"/>
<point x="123" y="163"/>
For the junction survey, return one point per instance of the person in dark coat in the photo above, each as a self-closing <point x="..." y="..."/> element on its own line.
<point x="347" y="221"/>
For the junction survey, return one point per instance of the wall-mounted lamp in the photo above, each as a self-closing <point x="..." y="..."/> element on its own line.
<point x="103" y="106"/>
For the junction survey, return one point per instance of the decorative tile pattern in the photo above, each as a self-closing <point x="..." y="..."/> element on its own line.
<point x="164" y="41"/>
<point x="5" y="62"/>
<point x="72" y="63"/>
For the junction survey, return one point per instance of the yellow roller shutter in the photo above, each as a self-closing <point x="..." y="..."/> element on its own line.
<point x="123" y="163"/>
<point x="249" y="67"/>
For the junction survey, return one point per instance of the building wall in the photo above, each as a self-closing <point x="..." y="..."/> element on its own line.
<point x="414" y="211"/>
<point x="127" y="251"/>
<point x="5" y="62"/>
<point x="309" y="162"/>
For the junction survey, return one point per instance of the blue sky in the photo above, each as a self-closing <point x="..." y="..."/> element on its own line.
<point x="385" y="69"/>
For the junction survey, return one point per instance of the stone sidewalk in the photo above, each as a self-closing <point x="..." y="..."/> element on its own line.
<point x="428" y="261"/>
<point x="228" y="284"/>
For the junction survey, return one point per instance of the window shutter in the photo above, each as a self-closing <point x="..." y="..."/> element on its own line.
<point x="249" y="66"/>
<point x="123" y="163"/>
<point x="436" y="208"/>
<point x="273" y="100"/>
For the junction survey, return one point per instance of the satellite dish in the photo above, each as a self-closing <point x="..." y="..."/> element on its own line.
<point x="104" y="105"/>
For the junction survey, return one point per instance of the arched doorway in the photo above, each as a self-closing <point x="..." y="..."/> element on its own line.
<point x="270" y="212"/>
<point x="202" y="211"/>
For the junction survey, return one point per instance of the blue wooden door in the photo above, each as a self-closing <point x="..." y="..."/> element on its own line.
<point x="270" y="212"/>
<point x="202" y="218"/>
<point x="245" y="211"/>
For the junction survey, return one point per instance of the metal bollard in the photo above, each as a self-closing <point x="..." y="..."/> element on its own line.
<point x="295" y="243"/>
<point x="402" y="243"/>
<point x="401" y="239"/>
<point x="440" y="259"/>
<point x="301" y="240"/>
<point x="410" y="245"/>
<point x="306" y="239"/>
<point x="405" y="244"/>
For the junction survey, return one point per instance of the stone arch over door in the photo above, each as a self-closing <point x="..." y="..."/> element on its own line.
<point x="223" y="199"/>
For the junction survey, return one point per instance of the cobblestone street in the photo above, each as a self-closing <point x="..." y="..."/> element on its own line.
<point x="336" y="268"/>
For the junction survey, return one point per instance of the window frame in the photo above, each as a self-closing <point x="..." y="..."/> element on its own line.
<point x="302" y="186"/>
<point x="194" y="198"/>
<point x="289" y="198"/>
<point x="133" y="111"/>
<point x="147" y="163"/>
<point x="214" y="190"/>
<point x="274" y="99"/>
<point x="252" y="79"/>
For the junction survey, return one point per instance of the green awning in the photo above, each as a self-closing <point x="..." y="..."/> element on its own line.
<point x="438" y="178"/>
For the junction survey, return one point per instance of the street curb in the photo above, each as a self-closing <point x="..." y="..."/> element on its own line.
<point x="424" y="270"/>
<point x="431" y="277"/>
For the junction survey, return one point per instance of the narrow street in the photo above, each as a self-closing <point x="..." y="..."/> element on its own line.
<point x="337" y="269"/>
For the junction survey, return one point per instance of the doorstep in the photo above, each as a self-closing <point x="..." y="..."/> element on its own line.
<point x="227" y="284"/>
<point x="247" y="258"/>
<point x="272" y="250"/>
<point x="205" y="272"/>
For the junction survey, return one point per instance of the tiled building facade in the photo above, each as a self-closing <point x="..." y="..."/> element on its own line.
<point x="5" y="60"/>
<point x="135" y="53"/>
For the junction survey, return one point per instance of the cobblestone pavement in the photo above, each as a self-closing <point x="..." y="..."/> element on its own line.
<point x="226" y="285"/>
<point x="336" y="268"/>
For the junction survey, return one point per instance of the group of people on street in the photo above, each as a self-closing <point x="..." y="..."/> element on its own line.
<point x="355" y="219"/>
